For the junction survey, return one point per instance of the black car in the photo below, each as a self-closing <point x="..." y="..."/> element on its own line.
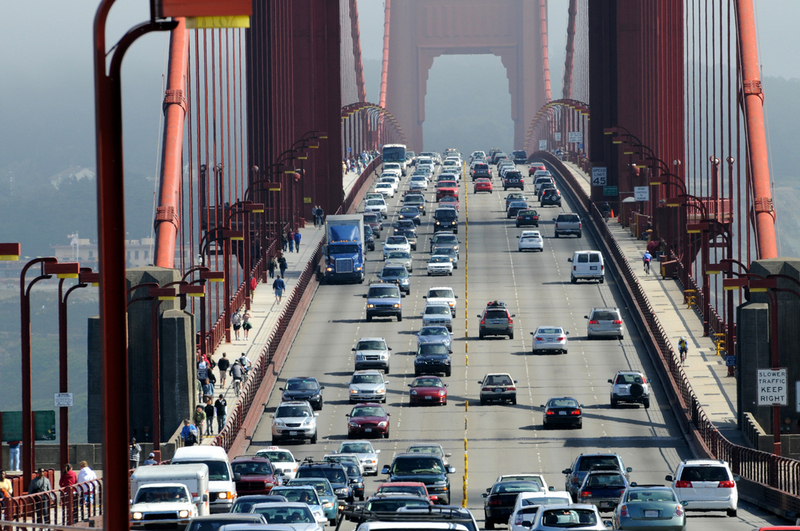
<point x="397" y="275"/>
<point x="375" y="221"/>
<point x="425" y="468"/>
<point x="415" y="200"/>
<point x="369" y="237"/>
<point x="520" y="156"/>
<point x="527" y="217"/>
<point x="563" y="411"/>
<point x="585" y="463"/>
<point x="410" y="212"/>
<point x="403" y="224"/>
<point x="336" y="473"/>
<point x="499" y="501"/>
<point x="481" y="169"/>
<point x="544" y="187"/>
<point x="445" y="219"/>
<point x="513" y="179"/>
<point x="514" y="207"/>
<point x="551" y="196"/>
<point x="303" y="388"/>
<point x="356" y="479"/>
<point x="432" y="358"/>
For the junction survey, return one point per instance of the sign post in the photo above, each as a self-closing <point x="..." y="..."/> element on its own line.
<point x="772" y="391"/>
<point x="599" y="176"/>
<point x="542" y="145"/>
<point x="557" y="136"/>
<point x="641" y="193"/>
<point x="575" y="137"/>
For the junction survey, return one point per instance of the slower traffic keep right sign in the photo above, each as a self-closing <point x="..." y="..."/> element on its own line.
<point x="772" y="387"/>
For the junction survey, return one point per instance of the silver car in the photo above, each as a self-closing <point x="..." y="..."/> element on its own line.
<point x="576" y="517"/>
<point x="294" y="420"/>
<point x="438" y="314"/>
<point x="299" y="515"/>
<point x="367" y="386"/>
<point x="499" y="387"/>
<point x="550" y="339"/>
<point x="630" y="386"/>
<point x="448" y="251"/>
<point x="372" y="353"/>
<point x="396" y="258"/>
<point x="604" y="322"/>
<point x="365" y="452"/>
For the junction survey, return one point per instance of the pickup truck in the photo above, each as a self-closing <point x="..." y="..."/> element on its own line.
<point x="568" y="224"/>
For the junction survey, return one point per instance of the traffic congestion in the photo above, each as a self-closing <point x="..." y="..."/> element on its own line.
<point x="452" y="373"/>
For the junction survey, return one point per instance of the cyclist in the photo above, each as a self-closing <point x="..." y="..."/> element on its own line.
<point x="237" y="373"/>
<point x="245" y="362"/>
<point x="646" y="261"/>
<point x="606" y="211"/>
<point x="683" y="348"/>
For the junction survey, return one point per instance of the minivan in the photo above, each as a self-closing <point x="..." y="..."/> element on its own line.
<point x="587" y="265"/>
<point x="222" y="481"/>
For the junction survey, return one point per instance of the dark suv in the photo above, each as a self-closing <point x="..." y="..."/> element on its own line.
<point x="496" y="321"/>
<point x="513" y="179"/>
<point x="446" y="219"/>
<point x="550" y="196"/>
<point x="520" y="156"/>
<point x="425" y="468"/>
<point x="585" y="463"/>
<point x="333" y="472"/>
<point x="304" y="388"/>
<point x="256" y="475"/>
<point x="432" y="358"/>
<point x="481" y="169"/>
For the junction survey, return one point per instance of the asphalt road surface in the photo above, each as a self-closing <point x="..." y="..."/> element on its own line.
<point x="505" y="438"/>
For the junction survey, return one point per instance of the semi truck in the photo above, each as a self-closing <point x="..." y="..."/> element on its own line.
<point x="166" y="495"/>
<point x="344" y="248"/>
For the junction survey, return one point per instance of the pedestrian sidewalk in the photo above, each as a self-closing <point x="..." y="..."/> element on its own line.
<point x="264" y="310"/>
<point x="706" y="371"/>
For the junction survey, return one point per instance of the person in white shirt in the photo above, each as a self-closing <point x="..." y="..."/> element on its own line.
<point x="87" y="474"/>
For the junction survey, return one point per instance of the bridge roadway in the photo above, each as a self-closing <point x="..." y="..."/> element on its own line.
<point x="501" y="438"/>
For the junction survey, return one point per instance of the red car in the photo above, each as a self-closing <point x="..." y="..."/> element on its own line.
<point x="406" y="487"/>
<point x="367" y="420"/>
<point x="483" y="185"/>
<point x="257" y="475"/>
<point x="445" y="188"/>
<point x="449" y="200"/>
<point x="428" y="390"/>
<point x="535" y="166"/>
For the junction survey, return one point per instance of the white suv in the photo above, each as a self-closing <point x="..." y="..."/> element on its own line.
<point x="442" y="294"/>
<point x="631" y="387"/>
<point x="706" y="485"/>
<point x="294" y="420"/>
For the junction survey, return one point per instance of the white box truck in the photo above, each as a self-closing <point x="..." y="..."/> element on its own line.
<point x="168" y="494"/>
<point x="221" y="479"/>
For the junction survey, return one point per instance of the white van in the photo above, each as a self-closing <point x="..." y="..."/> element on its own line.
<point x="587" y="265"/>
<point x="222" y="481"/>
<point x="168" y="494"/>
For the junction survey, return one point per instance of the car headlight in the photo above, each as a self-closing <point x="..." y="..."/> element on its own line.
<point x="353" y="391"/>
<point x="358" y="269"/>
<point x="308" y="422"/>
<point x="341" y="491"/>
<point x="360" y="357"/>
<point x="279" y="422"/>
<point x="396" y="305"/>
<point x="137" y="516"/>
<point x="413" y="392"/>
<point x="183" y="514"/>
<point x="370" y="305"/>
<point x="383" y="424"/>
<point x="329" y="269"/>
<point x="384" y="356"/>
<point x="381" y="391"/>
<point x="353" y="424"/>
<point x="442" y="392"/>
<point x="327" y="505"/>
<point x="452" y="303"/>
<point x="224" y="496"/>
<point x="441" y="484"/>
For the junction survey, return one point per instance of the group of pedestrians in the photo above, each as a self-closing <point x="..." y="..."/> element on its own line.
<point x="291" y="240"/>
<point x="40" y="484"/>
<point x="278" y="263"/>
<point x="319" y="216"/>
<point x="240" y="322"/>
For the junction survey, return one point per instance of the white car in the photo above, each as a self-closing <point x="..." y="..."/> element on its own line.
<point x="531" y="240"/>
<point x="419" y="181"/>
<point x="395" y="243"/>
<point x="391" y="179"/>
<point x="393" y="167"/>
<point x="449" y="175"/>
<point x="706" y="485"/>
<point x="440" y="265"/>
<point x="528" y="503"/>
<point x="437" y="313"/>
<point x="386" y="189"/>
<point x="365" y="452"/>
<point x="373" y="195"/>
<point x="294" y="420"/>
<point x="377" y="205"/>
<point x="537" y="478"/>
<point x="367" y="386"/>
<point x="442" y="294"/>
<point x="299" y="515"/>
<point x="550" y="338"/>
<point x="577" y="517"/>
<point x="282" y="459"/>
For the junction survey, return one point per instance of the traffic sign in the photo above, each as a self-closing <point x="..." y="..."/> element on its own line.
<point x="599" y="176"/>
<point x="610" y="191"/>
<point x="641" y="193"/>
<point x="557" y="136"/>
<point x="772" y="387"/>
<point x="64" y="400"/>
<point x="542" y="145"/>
<point x="575" y="137"/>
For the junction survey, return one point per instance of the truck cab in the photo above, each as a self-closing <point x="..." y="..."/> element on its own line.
<point x="344" y="249"/>
<point x="167" y="495"/>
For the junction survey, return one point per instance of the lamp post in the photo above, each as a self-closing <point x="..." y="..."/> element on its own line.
<point x="28" y="437"/>
<point x="206" y="275"/>
<point x="246" y="207"/>
<point x="204" y="242"/>
<point x="85" y="277"/>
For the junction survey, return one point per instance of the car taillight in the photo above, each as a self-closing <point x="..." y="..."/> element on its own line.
<point x="510" y="321"/>
<point x="574" y="268"/>
<point x="511" y="388"/>
<point x="726" y="485"/>
<point x="679" y="510"/>
<point x="548" y="412"/>
<point x="495" y="501"/>
<point x="618" y="321"/>
<point x="683" y="484"/>
<point x="518" y="519"/>
<point x="562" y="338"/>
<point x="579" y="224"/>
<point x="575" y="412"/>
<point x="585" y="494"/>
<point x="485" y="389"/>
<point x="602" y="267"/>
<point x="483" y="321"/>
<point x="594" y="321"/>
<point x="623" y="511"/>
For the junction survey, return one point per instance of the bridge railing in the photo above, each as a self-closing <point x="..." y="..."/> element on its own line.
<point x="779" y="475"/>
<point x="61" y="507"/>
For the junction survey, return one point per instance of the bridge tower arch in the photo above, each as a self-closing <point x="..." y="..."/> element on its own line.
<point x="422" y="30"/>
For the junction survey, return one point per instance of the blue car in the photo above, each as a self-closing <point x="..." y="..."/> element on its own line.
<point x="434" y="335"/>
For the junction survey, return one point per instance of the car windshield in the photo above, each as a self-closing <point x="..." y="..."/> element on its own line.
<point x="440" y="294"/>
<point x="589" y="462"/>
<point x="368" y="411"/>
<point x="439" y="259"/>
<point x="366" y="379"/>
<point x="433" y="331"/>
<point x="660" y="495"/>
<point x="355" y="448"/>
<point x="427" y="382"/>
<point x="396" y="240"/>
<point x="333" y="474"/>
<point x="296" y="514"/>
<point x="376" y="202"/>
<point x="445" y="238"/>
<point x="276" y="456"/>
<point x="447" y="184"/>
<point x="605" y="481"/>
<point x="371" y="218"/>
<point x="323" y="487"/>
<point x="569" y="518"/>
<point x="445" y="214"/>
<point x="604" y="316"/>
<point x="497" y="379"/>
<point x="398" y="255"/>
<point x="391" y="488"/>
<point x="217" y="470"/>
<point x="255" y="468"/>
<point x="301" y="385"/>
<point x="516" y="486"/>
<point x="704" y="473"/>
<point x="391" y="505"/>
<point x="518" y="204"/>
<point x="383" y="293"/>
<point x="161" y="495"/>
<point x="343" y="248"/>
<point x="297" y="494"/>
<point x="293" y="411"/>
<point x="409" y="210"/>
<point x="437" y="310"/>
<point x="445" y="251"/>
<point x="549" y="330"/>
<point x="371" y="344"/>
<point x="394" y="272"/>
<point x="426" y="449"/>
<point x="432" y="350"/>
<point x="352" y="470"/>
<point x="418" y="465"/>
<point x="562" y="402"/>
<point x="496" y="314"/>
<point x="545" y="500"/>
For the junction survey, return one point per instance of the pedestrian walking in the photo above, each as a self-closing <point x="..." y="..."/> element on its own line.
<point x="282" y="265"/>
<point x="6" y="485"/>
<point x="211" y="365"/>
<point x="246" y="324"/>
<point x="297" y="237"/>
<point x="315" y="215"/>
<point x="221" y="407"/>
<point x="223" y="365"/>
<point x="321" y="214"/>
<point x="189" y="434"/>
<point x="134" y="453"/>
<point x="151" y="460"/>
<point x="202" y="374"/>
<point x="284" y="241"/>
<point x="236" y="323"/>
<point x="13" y="455"/>
<point x="271" y="266"/>
<point x="290" y="237"/>
<point x="209" y="411"/>
<point x="41" y="485"/>
<point x="199" y="418"/>
<point x="279" y="286"/>
<point x="208" y="390"/>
